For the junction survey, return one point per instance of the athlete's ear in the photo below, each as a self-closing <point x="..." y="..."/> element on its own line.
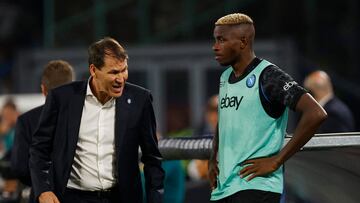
<point x="243" y="42"/>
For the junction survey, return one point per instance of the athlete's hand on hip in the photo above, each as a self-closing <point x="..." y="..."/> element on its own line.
<point x="48" y="197"/>
<point x="259" y="167"/>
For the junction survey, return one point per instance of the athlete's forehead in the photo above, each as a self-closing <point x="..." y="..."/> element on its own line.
<point x="226" y="31"/>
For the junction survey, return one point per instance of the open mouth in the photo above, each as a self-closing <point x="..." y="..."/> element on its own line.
<point x="117" y="88"/>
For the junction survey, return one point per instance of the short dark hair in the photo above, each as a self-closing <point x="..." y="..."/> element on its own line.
<point x="107" y="46"/>
<point x="56" y="73"/>
<point x="10" y="103"/>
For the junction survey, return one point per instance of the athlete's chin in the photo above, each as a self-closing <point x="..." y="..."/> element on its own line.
<point x="224" y="63"/>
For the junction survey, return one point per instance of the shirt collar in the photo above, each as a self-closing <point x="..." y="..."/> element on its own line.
<point x="88" y="89"/>
<point x="252" y="65"/>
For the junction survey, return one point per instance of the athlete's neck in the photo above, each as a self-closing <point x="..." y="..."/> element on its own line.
<point x="240" y="66"/>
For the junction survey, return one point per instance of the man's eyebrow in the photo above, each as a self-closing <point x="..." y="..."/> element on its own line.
<point x="126" y="67"/>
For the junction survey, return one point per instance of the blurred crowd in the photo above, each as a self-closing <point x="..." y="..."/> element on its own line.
<point x="10" y="188"/>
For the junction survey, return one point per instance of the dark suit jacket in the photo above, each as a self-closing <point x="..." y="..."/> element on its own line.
<point x="26" y="125"/>
<point x="340" y="118"/>
<point x="55" y="141"/>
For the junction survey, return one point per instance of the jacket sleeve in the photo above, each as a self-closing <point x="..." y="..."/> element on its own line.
<point x="151" y="157"/>
<point x="20" y="151"/>
<point x="41" y="147"/>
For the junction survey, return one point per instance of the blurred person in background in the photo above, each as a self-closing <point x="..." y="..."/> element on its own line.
<point x="55" y="73"/>
<point x="208" y="126"/>
<point x="174" y="181"/>
<point x="340" y="117"/>
<point x="89" y="135"/>
<point x="198" y="169"/>
<point x="9" y="115"/>
<point x="247" y="162"/>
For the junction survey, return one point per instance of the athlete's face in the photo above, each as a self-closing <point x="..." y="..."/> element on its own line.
<point x="227" y="45"/>
<point x="109" y="81"/>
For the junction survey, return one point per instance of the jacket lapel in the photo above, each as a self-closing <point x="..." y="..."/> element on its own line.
<point x="75" y="112"/>
<point x="122" y="110"/>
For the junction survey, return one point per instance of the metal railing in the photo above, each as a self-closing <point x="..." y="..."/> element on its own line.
<point x="200" y="148"/>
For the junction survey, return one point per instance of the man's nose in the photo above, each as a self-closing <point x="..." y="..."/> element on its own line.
<point x="119" y="78"/>
<point x="215" y="47"/>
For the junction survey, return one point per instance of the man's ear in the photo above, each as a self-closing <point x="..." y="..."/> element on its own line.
<point x="92" y="70"/>
<point x="44" y="90"/>
<point x="243" y="42"/>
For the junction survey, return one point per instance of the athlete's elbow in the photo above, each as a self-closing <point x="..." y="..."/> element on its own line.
<point x="319" y="115"/>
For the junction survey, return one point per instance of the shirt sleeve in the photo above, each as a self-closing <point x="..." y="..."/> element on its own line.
<point x="279" y="87"/>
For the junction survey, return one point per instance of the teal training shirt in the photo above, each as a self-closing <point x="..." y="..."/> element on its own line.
<point x="246" y="131"/>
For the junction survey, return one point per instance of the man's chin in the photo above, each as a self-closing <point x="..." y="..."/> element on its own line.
<point x="116" y="93"/>
<point x="224" y="63"/>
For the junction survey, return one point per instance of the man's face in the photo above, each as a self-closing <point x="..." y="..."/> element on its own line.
<point x="226" y="46"/>
<point x="9" y="115"/>
<point x="110" y="79"/>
